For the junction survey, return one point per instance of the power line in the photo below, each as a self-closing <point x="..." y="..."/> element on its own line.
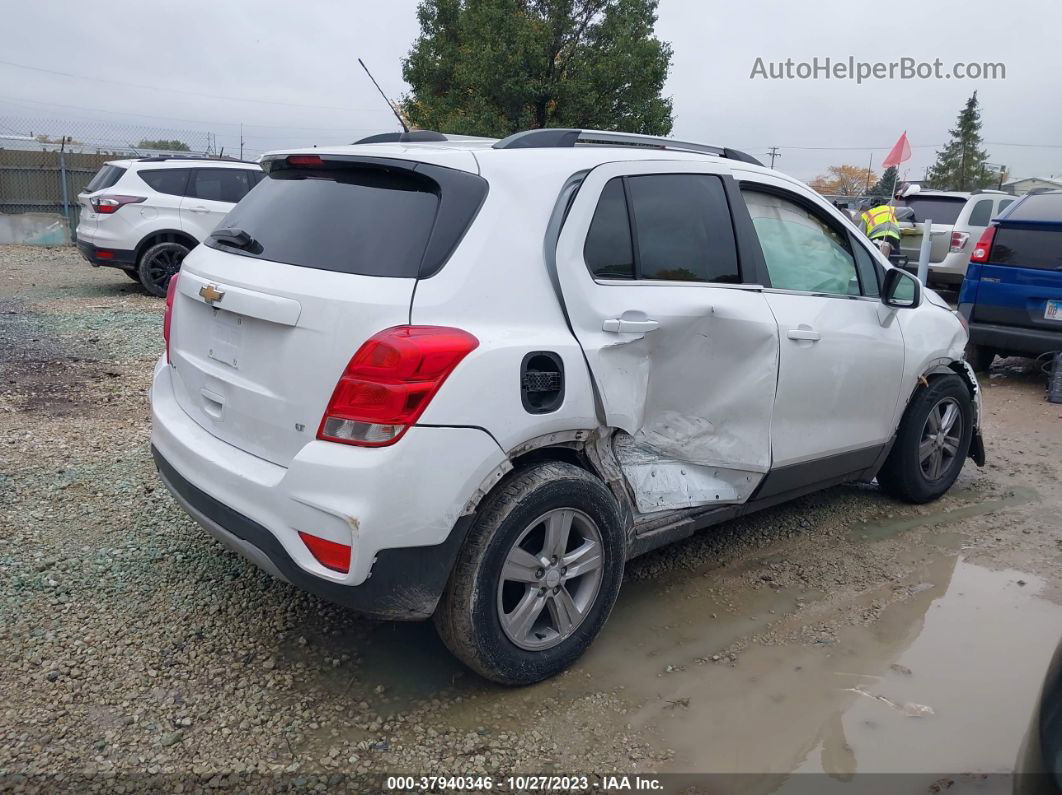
<point x="184" y="91"/>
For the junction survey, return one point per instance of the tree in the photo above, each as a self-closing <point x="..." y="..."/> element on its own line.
<point x="961" y="164"/>
<point x="844" y="180"/>
<point x="884" y="187"/>
<point x="163" y="145"/>
<point x="494" y="67"/>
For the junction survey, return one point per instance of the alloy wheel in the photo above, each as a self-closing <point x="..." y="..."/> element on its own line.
<point x="550" y="580"/>
<point x="941" y="436"/>
<point x="164" y="264"/>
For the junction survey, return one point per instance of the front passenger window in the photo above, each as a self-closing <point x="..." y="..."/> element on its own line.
<point x="801" y="251"/>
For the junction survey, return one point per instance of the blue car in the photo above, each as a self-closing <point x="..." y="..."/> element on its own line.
<point x="1012" y="294"/>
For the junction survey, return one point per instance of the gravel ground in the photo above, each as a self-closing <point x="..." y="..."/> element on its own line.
<point x="137" y="653"/>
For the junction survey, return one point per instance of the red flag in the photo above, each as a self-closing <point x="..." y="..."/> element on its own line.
<point x="900" y="152"/>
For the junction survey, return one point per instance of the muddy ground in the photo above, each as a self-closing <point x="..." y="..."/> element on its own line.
<point x="844" y="633"/>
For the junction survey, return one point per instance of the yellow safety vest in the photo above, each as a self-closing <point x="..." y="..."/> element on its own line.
<point x="880" y="221"/>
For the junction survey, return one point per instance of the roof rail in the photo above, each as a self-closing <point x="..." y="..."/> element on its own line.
<point x="556" y="137"/>
<point x="164" y="158"/>
<point x="412" y="137"/>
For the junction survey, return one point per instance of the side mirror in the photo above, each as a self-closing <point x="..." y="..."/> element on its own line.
<point x="901" y="290"/>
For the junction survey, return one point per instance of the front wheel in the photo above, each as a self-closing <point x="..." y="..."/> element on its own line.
<point x="159" y="264"/>
<point x="537" y="576"/>
<point x="932" y="442"/>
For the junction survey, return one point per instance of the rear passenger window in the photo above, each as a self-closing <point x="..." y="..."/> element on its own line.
<point x="220" y="184"/>
<point x="172" y="181"/>
<point x="801" y="250"/>
<point x="1005" y="203"/>
<point x="682" y="230"/>
<point x="608" y="250"/>
<point x="981" y="213"/>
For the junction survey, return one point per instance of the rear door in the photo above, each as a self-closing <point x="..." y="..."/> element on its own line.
<point x="1021" y="285"/>
<point x="683" y="352"/>
<point x="261" y="333"/>
<point x="211" y="193"/>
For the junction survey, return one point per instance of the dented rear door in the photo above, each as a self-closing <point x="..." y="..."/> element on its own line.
<point x="682" y="349"/>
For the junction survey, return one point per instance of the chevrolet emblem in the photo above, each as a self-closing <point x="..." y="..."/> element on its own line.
<point x="211" y="294"/>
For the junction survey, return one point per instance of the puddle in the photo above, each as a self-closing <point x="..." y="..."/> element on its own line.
<point x="878" y="531"/>
<point x="973" y="647"/>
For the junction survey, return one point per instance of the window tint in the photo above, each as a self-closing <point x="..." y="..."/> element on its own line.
<point x="167" y="180"/>
<point x="1039" y="207"/>
<point x="801" y="251"/>
<point x="608" y="251"/>
<point x="220" y="184"/>
<point x="353" y="220"/>
<point x="938" y="209"/>
<point x="682" y="228"/>
<point x="1027" y="248"/>
<point x="105" y="178"/>
<point x="981" y="213"/>
<point x="1005" y="203"/>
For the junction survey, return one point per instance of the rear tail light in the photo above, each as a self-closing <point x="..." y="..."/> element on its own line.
<point x="390" y="381"/>
<point x="112" y="204"/>
<point x="305" y="160"/>
<point x="329" y="554"/>
<point x="958" y="241"/>
<point x="984" y="246"/>
<point x="171" y="290"/>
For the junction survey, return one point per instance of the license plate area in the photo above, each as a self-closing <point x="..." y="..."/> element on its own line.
<point x="1053" y="310"/>
<point x="226" y="335"/>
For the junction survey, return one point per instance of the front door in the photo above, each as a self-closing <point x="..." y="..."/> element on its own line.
<point x="682" y="350"/>
<point x="841" y="349"/>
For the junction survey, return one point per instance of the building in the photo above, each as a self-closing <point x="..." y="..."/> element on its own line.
<point x="1022" y="186"/>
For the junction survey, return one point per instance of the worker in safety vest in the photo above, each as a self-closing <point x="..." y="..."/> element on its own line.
<point x="879" y="224"/>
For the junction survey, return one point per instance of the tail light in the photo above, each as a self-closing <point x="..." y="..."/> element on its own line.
<point x="171" y="289"/>
<point x="305" y="161"/>
<point x="958" y="241"/>
<point x="390" y="381"/>
<point x="984" y="246"/>
<point x="107" y="205"/>
<point x="329" y="554"/>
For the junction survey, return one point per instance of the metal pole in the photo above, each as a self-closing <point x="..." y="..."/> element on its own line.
<point x="923" y="252"/>
<point x="66" y="196"/>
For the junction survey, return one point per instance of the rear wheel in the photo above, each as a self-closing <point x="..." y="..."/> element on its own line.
<point x="932" y="443"/>
<point x="537" y="577"/>
<point x="158" y="265"/>
<point x="979" y="357"/>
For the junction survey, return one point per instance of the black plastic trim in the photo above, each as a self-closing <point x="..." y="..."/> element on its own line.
<point x="122" y="258"/>
<point x="783" y="480"/>
<point x="404" y="585"/>
<point x="558" y="399"/>
<point x="1014" y="339"/>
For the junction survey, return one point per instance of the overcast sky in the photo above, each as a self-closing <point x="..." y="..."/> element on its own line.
<point x="288" y="72"/>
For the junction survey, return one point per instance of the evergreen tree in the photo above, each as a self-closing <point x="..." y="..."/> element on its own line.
<point x="494" y="67"/>
<point x="961" y="164"/>
<point x="884" y="187"/>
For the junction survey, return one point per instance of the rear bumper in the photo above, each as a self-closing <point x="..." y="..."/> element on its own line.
<point x="399" y="508"/>
<point x="1014" y="339"/>
<point x="116" y="258"/>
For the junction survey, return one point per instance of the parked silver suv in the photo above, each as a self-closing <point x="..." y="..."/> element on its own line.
<point x="958" y="221"/>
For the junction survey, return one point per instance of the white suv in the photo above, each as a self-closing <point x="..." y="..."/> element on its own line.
<point x="144" y="215"/>
<point x="469" y="379"/>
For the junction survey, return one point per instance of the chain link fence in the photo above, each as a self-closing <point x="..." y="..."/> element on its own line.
<point x="45" y="163"/>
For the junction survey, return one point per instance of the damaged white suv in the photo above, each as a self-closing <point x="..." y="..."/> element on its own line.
<point x="468" y="379"/>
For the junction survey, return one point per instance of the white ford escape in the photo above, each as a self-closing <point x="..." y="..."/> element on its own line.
<point x="468" y="379"/>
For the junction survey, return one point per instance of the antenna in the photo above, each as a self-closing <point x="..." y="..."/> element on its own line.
<point x="394" y="110"/>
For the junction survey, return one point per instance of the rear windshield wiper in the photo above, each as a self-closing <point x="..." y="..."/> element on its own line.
<point x="236" y="238"/>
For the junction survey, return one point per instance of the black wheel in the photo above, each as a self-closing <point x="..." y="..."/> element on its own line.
<point x="537" y="576"/>
<point x="158" y="264"/>
<point x="132" y="274"/>
<point x="979" y="357"/>
<point x="932" y="443"/>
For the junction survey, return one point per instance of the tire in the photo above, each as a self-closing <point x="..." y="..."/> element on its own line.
<point x="158" y="265"/>
<point x="478" y="615"/>
<point x="979" y="357"/>
<point x="913" y="472"/>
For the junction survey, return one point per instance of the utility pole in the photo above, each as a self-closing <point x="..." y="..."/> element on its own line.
<point x="870" y="164"/>
<point x="773" y="154"/>
<point x="241" y="140"/>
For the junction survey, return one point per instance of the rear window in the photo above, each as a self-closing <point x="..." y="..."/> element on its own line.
<point x="166" y="180"/>
<point x="370" y="220"/>
<point x="1038" y="207"/>
<point x="938" y="209"/>
<point x="105" y="178"/>
<point x="1028" y="248"/>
